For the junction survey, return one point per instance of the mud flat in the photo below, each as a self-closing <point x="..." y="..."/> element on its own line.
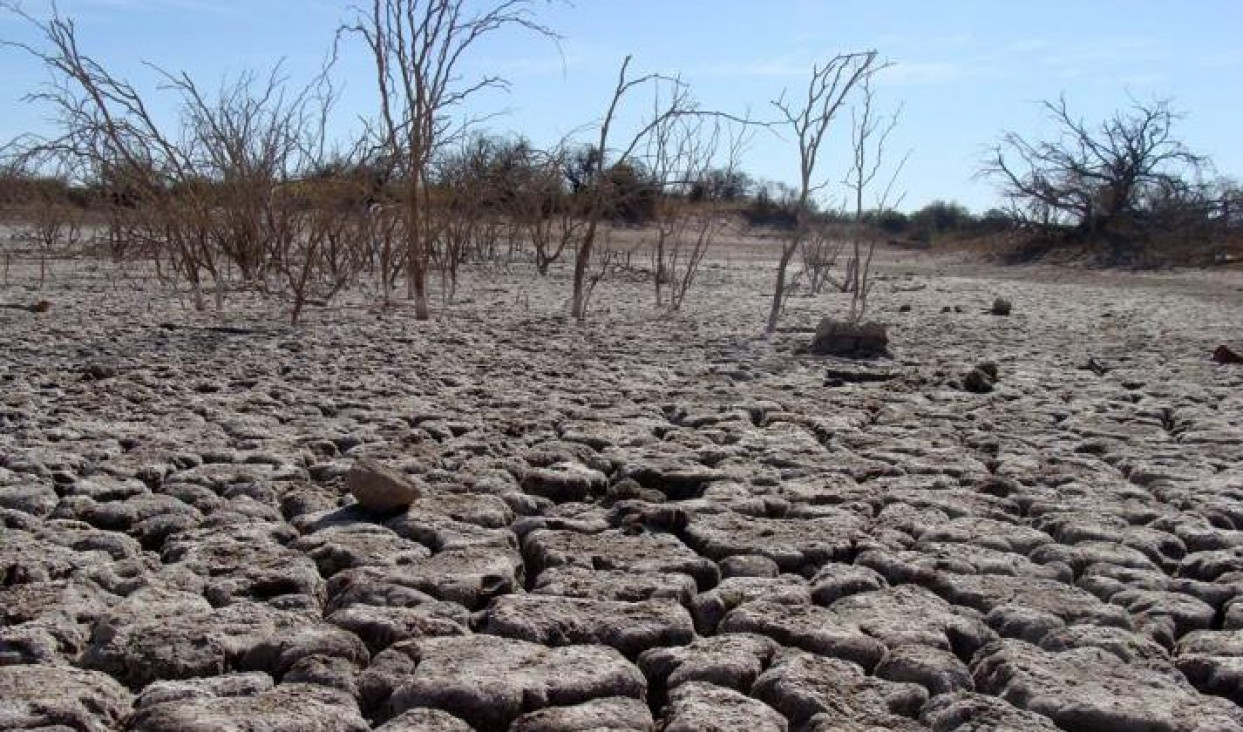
<point x="644" y="522"/>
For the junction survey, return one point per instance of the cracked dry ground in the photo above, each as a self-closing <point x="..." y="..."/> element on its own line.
<point x="635" y="524"/>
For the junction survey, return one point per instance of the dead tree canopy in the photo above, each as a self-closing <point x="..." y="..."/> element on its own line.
<point x="1094" y="179"/>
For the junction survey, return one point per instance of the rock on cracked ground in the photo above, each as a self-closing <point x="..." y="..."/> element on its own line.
<point x="639" y="523"/>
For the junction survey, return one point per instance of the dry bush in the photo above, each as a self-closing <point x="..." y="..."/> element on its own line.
<point x="672" y="100"/>
<point x="550" y="218"/>
<point x="819" y="251"/>
<point x="681" y="156"/>
<point x="211" y="201"/>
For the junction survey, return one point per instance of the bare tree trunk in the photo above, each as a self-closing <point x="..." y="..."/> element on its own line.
<point x="578" y="307"/>
<point x="787" y="252"/>
<point x="416" y="260"/>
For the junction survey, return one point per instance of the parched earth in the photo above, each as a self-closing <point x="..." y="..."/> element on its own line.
<point x="645" y="522"/>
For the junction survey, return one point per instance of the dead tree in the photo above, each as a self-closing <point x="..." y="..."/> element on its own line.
<point x="43" y="212"/>
<point x="674" y="102"/>
<point x="809" y="119"/>
<point x="1092" y="179"/>
<point x="870" y="133"/>
<point x="417" y="47"/>
<point x="107" y="128"/>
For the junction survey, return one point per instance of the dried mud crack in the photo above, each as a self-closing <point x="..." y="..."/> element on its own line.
<point x="638" y="523"/>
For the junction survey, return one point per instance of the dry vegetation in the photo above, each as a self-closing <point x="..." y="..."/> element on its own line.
<point x="247" y="193"/>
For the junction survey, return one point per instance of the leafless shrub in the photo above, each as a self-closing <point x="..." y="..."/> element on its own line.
<point x="216" y="194"/>
<point x="681" y="158"/>
<point x="384" y="227"/>
<point x="819" y="251"/>
<point x="42" y="212"/>
<point x="549" y="217"/>
<point x="607" y="261"/>
<point x="870" y="133"/>
<point x="326" y="243"/>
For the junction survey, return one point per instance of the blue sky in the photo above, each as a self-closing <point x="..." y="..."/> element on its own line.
<point x="964" y="70"/>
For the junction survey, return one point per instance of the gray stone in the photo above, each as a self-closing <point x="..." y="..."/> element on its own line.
<point x="564" y="482"/>
<point x="614" y="584"/>
<point x="381" y="627"/>
<point x="970" y="712"/>
<point x="749" y="565"/>
<point x="245" y="636"/>
<point x="380" y="488"/>
<point x="243" y="684"/>
<point x="616" y="550"/>
<point x="939" y="671"/>
<point x="732" y="660"/>
<point x="617" y="714"/>
<point x="812" y="628"/>
<point x="835" y="581"/>
<point x="802" y="686"/>
<point x="794" y="544"/>
<point x="907" y="614"/>
<point x="356" y="545"/>
<point x="710" y="608"/>
<point x="425" y="720"/>
<point x="286" y="708"/>
<point x="469" y="576"/>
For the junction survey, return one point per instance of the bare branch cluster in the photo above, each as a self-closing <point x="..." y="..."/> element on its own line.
<point x="1094" y="178"/>
<point x="809" y="119"/>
